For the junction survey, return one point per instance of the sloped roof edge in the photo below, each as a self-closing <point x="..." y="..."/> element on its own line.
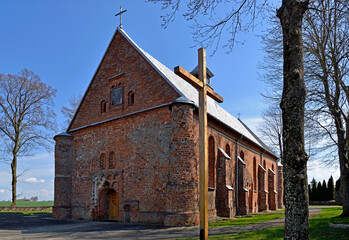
<point x="186" y="91"/>
<point x="94" y="75"/>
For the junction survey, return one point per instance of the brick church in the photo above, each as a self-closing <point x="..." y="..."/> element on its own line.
<point x="131" y="151"/>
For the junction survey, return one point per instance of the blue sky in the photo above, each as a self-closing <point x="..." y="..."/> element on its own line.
<point x="64" y="41"/>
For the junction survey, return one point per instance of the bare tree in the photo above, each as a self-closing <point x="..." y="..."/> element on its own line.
<point x="270" y="129"/>
<point x="291" y="15"/>
<point x="69" y="110"/>
<point x="26" y="116"/>
<point x="326" y="45"/>
<point x="327" y="61"/>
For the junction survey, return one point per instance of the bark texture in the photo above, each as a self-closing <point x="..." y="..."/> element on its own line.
<point x="343" y="146"/>
<point x="14" y="180"/>
<point x="292" y="104"/>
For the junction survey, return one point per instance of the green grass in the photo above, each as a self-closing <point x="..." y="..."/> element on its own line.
<point x="22" y="203"/>
<point x="319" y="229"/>
<point x="26" y="213"/>
<point x="241" y="221"/>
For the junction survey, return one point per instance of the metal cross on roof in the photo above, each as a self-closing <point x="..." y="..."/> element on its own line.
<point x="120" y="13"/>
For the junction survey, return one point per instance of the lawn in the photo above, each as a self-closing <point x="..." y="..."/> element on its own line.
<point x="241" y="221"/>
<point x="26" y="213"/>
<point x="319" y="229"/>
<point x="22" y="203"/>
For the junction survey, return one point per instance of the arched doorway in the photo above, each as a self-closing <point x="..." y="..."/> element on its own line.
<point x="108" y="204"/>
<point x="113" y="205"/>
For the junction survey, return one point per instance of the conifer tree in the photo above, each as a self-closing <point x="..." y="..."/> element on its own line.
<point x="330" y="187"/>
<point x="313" y="190"/>
<point x="309" y="192"/>
<point x="319" y="191"/>
<point x="324" y="191"/>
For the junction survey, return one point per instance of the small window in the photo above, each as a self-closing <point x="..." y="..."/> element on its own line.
<point x="101" y="161"/>
<point x="116" y="96"/>
<point x="227" y="149"/>
<point x="131" y="98"/>
<point x="211" y="163"/>
<point x="254" y="170"/>
<point x="111" y="160"/>
<point x="264" y="164"/>
<point x="103" y="106"/>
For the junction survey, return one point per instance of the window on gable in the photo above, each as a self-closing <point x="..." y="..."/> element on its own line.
<point x="116" y="96"/>
<point x="111" y="160"/>
<point x="103" y="106"/>
<point x="131" y="98"/>
<point x="101" y="161"/>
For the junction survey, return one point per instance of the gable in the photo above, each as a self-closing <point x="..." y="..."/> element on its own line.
<point x="124" y="82"/>
<point x="128" y="66"/>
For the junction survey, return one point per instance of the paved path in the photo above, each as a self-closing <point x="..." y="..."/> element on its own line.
<point x="43" y="226"/>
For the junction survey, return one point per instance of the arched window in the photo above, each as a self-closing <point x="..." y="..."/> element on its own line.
<point x="111" y="160"/>
<point x="254" y="171"/>
<point x="131" y="98"/>
<point x="101" y="161"/>
<point x="227" y="149"/>
<point x="242" y="155"/>
<point x="103" y="106"/>
<point x="116" y="96"/>
<point x="211" y="162"/>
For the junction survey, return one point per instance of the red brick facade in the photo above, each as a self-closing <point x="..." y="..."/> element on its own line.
<point x="144" y="152"/>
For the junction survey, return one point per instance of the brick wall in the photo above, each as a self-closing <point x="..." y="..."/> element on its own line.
<point x="64" y="157"/>
<point x="122" y="66"/>
<point x="144" y="153"/>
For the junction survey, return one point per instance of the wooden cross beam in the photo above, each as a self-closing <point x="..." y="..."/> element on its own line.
<point x="196" y="82"/>
<point x="204" y="90"/>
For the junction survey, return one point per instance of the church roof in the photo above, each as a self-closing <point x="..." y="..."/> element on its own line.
<point x="190" y="94"/>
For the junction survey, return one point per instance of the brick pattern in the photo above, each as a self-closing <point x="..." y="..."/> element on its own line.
<point x="149" y="159"/>
<point x="122" y="66"/>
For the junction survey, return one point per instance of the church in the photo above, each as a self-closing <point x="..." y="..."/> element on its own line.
<point x="131" y="151"/>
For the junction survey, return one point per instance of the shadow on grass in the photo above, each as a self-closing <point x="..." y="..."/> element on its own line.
<point x="242" y="221"/>
<point x="319" y="229"/>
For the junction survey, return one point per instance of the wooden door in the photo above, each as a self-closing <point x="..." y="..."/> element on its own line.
<point x="113" y="206"/>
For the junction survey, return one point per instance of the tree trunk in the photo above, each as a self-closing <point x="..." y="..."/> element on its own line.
<point x="343" y="162"/>
<point x="292" y="105"/>
<point x="14" y="180"/>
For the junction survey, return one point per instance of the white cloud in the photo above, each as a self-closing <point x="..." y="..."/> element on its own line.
<point x="34" y="180"/>
<point x="321" y="171"/>
<point x="253" y="123"/>
<point x="42" y="193"/>
<point x="2" y="190"/>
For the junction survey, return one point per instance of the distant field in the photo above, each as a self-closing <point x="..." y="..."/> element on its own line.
<point x="22" y="203"/>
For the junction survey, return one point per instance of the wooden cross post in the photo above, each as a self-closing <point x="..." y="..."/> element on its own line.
<point x="204" y="90"/>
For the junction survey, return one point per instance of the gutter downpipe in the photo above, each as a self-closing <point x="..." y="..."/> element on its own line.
<point x="264" y="177"/>
<point x="237" y="177"/>
<point x="277" y="183"/>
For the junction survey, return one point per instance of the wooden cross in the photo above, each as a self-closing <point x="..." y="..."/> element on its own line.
<point x="204" y="90"/>
<point x="120" y="13"/>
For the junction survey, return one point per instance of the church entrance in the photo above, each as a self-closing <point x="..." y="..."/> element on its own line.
<point x="113" y="205"/>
